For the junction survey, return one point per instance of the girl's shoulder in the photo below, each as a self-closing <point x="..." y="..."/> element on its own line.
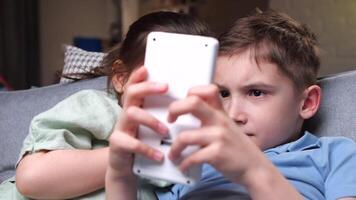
<point x="93" y="93"/>
<point x="91" y="97"/>
<point x="85" y="103"/>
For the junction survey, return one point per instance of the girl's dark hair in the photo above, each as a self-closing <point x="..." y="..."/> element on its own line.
<point x="129" y="54"/>
<point x="275" y="38"/>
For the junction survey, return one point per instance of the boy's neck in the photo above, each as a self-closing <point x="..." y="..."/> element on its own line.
<point x="295" y="136"/>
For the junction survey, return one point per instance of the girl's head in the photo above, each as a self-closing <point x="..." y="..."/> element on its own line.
<point x="275" y="38"/>
<point x="127" y="56"/>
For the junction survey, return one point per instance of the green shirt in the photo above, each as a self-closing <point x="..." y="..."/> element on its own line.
<point x="84" y="120"/>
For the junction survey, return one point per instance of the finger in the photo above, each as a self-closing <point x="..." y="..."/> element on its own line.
<point x="136" y="92"/>
<point x="200" y="137"/>
<point x="193" y="105"/>
<point x="131" y="145"/>
<point x="136" y="115"/>
<point x="137" y="76"/>
<point x="209" y="93"/>
<point x="124" y="124"/>
<point x="201" y="156"/>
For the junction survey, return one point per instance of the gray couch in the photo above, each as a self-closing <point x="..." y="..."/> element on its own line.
<point x="17" y="109"/>
<point x="337" y="115"/>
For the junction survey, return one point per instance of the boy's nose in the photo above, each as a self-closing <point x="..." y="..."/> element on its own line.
<point x="240" y="118"/>
<point x="236" y="113"/>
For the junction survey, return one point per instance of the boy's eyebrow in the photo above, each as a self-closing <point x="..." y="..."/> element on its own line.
<point x="252" y="85"/>
<point x="259" y="86"/>
<point x="219" y="86"/>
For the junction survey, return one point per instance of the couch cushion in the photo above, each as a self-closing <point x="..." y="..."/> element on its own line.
<point x="337" y="112"/>
<point x="77" y="60"/>
<point x="19" y="107"/>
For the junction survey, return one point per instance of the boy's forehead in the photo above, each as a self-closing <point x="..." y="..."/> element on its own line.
<point x="237" y="62"/>
<point x="243" y="68"/>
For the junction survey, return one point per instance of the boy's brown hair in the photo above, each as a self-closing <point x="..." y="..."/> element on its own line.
<point x="278" y="39"/>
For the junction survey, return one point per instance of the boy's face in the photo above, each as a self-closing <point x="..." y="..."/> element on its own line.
<point x="260" y="99"/>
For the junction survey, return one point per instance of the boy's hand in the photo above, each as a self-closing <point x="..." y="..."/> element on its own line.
<point x="223" y="145"/>
<point x="123" y="141"/>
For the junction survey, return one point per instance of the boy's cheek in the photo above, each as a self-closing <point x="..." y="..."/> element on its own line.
<point x="225" y="105"/>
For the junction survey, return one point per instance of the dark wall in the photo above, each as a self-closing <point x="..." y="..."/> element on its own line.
<point x="220" y="14"/>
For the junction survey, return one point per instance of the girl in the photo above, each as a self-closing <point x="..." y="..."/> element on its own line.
<point x="65" y="154"/>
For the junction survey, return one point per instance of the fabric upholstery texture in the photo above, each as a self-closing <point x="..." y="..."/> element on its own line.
<point x="337" y="113"/>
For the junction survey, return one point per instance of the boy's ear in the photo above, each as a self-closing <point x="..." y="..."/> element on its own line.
<point x="310" y="102"/>
<point x="118" y="81"/>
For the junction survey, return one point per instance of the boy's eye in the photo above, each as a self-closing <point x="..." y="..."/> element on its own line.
<point x="256" y="93"/>
<point x="224" y="93"/>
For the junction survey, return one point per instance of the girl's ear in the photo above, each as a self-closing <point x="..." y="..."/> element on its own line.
<point x="118" y="81"/>
<point x="310" y="102"/>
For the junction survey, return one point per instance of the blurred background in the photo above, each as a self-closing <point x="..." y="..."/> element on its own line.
<point x="33" y="32"/>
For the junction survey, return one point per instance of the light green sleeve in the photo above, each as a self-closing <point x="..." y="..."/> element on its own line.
<point x="82" y="121"/>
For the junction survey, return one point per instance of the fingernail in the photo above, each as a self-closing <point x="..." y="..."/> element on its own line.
<point x="161" y="86"/>
<point x="158" y="156"/>
<point x="162" y="129"/>
<point x="171" y="119"/>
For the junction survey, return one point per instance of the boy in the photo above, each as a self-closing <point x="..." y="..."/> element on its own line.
<point x="266" y="79"/>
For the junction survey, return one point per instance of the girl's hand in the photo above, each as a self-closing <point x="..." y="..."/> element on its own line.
<point x="123" y="142"/>
<point x="223" y="145"/>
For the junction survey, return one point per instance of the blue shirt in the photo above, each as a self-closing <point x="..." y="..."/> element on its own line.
<point x="319" y="168"/>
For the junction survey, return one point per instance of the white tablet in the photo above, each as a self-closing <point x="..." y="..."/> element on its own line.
<point x="182" y="61"/>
